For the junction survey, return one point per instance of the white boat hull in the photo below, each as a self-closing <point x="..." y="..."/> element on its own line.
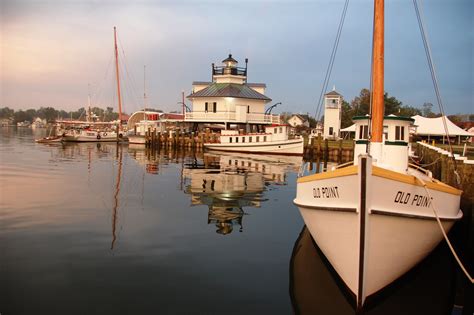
<point x="137" y="139"/>
<point x="91" y="137"/>
<point x="374" y="229"/>
<point x="287" y="147"/>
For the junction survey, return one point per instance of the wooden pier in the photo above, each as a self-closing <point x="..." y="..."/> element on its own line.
<point x="333" y="150"/>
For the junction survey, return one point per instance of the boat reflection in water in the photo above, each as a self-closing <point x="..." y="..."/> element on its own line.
<point x="227" y="183"/>
<point x="315" y="288"/>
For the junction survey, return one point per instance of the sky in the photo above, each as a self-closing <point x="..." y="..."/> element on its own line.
<point x="56" y="53"/>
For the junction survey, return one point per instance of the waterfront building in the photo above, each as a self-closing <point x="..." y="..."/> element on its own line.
<point x="332" y="115"/>
<point x="299" y="120"/>
<point x="229" y="100"/>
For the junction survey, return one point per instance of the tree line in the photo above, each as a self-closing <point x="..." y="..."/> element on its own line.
<point x="51" y="114"/>
<point x="360" y="106"/>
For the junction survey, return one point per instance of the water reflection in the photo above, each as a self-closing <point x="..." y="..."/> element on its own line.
<point x="315" y="287"/>
<point x="227" y="183"/>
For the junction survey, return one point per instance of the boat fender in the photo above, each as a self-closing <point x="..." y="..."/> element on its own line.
<point x="98" y="137"/>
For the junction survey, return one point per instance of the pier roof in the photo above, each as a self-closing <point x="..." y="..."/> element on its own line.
<point x="230" y="90"/>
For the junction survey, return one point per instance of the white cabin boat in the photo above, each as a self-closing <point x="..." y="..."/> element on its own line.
<point x="89" y="135"/>
<point x="274" y="140"/>
<point x="378" y="218"/>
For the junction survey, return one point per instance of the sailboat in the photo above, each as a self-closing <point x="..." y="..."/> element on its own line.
<point x="90" y="132"/>
<point x="376" y="219"/>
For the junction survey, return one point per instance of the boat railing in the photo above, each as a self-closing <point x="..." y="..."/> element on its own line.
<point x="421" y="169"/>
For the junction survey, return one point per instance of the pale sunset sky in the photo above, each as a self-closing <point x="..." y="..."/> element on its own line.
<point x="54" y="52"/>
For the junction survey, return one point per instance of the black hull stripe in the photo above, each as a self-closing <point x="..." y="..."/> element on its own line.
<point x="353" y="210"/>
<point x="257" y="144"/>
<point x="254" y="152"/>
<point x="413" y="216"/>
<point x="377" y="212"/>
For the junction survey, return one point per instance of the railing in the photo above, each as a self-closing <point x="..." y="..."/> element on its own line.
<point x="256" y="118"/>
<point x="229" y="70"/>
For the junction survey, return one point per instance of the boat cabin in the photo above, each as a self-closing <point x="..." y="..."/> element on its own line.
<point x="395" y="140"/>
<point x="272" y="133"/>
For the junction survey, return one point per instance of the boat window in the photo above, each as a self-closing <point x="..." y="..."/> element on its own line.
<point x="250" y="139"/>
<point x="274" y="130"/>
<point x="264" y="138"/>
<point x="248" y="109"/>
<point x="281" y="129"/>
<point x="206" y="106"/>
<point x="243" y="139"/>
<point x="258" y="139"/>
<point x="364" y="132"/>
<point x="230" y="139"/>
<point x="399" y="133"/>
<point x="214" y="107"/>
<point x="236" y="139"/>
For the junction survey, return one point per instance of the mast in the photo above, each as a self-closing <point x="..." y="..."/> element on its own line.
<point x="144" y="92"/>
<point x="118" y="79"/>
<point x="378" y="73"/>
<point x="89" y="113"/>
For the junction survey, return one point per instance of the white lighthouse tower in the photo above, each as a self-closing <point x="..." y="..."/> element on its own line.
<point x="332" y="115"/>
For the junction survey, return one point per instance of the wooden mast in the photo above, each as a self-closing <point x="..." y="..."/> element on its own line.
<point x="378" y="73"/>
<point x="118" y="80"/>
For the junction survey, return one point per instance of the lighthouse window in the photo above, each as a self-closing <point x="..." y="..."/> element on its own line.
<point x="214" y="107"/>
<point x="331" y="131"/>
<point x="399" y="133"/>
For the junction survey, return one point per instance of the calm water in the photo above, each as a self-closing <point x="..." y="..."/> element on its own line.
<point x="107" y="229"/>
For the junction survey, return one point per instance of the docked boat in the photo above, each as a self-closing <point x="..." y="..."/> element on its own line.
<point x="89" y="135"/>
<point x="49" y="139"/>
<point x="274" y="140"/>
<point x="376" y="219"/>
<point x="93" y="131"/>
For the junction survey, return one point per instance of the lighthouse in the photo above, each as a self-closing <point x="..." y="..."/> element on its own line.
<point x="332" y="115"/>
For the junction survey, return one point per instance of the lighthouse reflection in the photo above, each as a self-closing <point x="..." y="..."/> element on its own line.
<point x="227" y="184"/>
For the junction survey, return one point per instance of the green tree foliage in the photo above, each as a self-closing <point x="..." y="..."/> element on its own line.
<point x="6" y="112"/>
<point x="360" y="105"/>
<point x="347" y="113"/>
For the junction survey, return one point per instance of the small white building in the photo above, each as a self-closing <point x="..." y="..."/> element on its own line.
<point x="332" y="115"/>
<point x="229" y="98"/>
<point x="298" y="120"/>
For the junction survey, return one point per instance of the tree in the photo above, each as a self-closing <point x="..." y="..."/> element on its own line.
<point x="347" y="114"/>
<point x="361" y="104"/>
<point x="427" y="110"/>
<point x="6" y="112"/>
<point x="48" y="113"/>
<point x="409" y="111"/>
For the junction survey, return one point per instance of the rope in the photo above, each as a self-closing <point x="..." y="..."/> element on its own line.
<point x="331" y="61"/>
<point x="424" y="36"/>
<point x="444" y="232"/>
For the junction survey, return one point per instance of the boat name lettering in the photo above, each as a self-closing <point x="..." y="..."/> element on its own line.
<point x="325" y="192"/>
<point x="415" y="200"/>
